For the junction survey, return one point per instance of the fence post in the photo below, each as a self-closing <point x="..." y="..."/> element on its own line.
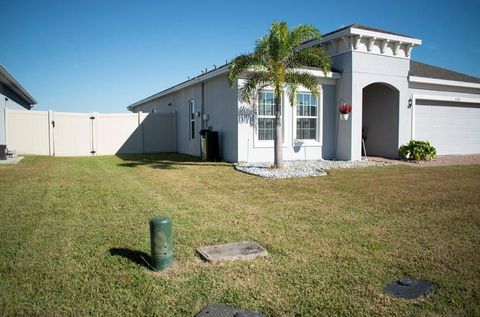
<point x="94" y="115"/>
<point x="51" y="141"/>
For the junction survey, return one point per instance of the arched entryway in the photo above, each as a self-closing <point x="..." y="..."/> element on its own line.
<point x="380" y="120"/>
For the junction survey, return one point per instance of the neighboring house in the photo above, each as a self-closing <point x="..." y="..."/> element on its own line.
<point x="394" y="100"/>
<point x="12" y="96"/>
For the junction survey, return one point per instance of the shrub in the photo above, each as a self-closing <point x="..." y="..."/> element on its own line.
<point x="418" y="151"/>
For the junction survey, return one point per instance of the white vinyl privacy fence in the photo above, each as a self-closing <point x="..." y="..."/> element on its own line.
<point x="83" y="134"/>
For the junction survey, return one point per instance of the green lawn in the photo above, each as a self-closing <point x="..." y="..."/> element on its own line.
<point x="72" y="231"/>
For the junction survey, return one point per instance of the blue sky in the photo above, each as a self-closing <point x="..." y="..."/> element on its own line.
<point x="104" y="55"/>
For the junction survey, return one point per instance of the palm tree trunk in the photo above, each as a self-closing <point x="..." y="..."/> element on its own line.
<point x="278" y="138"/>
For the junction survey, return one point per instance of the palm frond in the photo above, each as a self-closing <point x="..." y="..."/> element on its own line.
<point x="311" y="56"/>
<point x="302" y="33"/>
<point x="254" y="82"/>
<point x="292" y="92"/>
<point x="278" y="41"/>
<point x="241" y="64"/>
<point x="309" y="81"/>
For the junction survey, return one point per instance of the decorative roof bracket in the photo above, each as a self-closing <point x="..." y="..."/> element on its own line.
<point x="408" y="50"/>
<point x="396" y="46"/>
<point x="354" y="40"/>
<point x="370" y="42"/>
<point x="383" y="46"/>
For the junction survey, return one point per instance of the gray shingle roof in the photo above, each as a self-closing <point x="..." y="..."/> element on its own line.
<point x="430" y="71"/>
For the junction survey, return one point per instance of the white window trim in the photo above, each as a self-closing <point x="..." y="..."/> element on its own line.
<point x="190" y="120"/>
<point x="268" y="143"/>
<point x="319" y="138"/>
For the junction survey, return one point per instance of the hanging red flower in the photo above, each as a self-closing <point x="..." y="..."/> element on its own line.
<point x="345" y="108"/>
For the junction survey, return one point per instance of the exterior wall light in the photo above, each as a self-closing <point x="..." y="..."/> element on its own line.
<point x="410" y="102"/>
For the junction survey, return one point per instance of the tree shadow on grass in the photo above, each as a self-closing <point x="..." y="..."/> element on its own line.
<point x="138" y="257"/>
<point x="164" y="160"/>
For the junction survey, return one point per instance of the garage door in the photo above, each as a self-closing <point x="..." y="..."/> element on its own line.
<point x="452" y="127"/>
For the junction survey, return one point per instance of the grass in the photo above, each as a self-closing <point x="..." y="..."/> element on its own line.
<point x="73" y="230"/>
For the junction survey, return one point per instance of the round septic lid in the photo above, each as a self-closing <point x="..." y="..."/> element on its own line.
<point x="408" y="288"/>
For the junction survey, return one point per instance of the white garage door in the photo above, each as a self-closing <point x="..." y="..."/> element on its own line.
<point x="451" y="127"/>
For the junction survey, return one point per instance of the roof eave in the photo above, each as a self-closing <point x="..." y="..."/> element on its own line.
<point x="216" y="73"/>
<point x="442" y="82"/>
<point x="16" y="87"/>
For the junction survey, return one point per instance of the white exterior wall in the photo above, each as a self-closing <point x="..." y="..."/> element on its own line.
<point x="367" y="69"/>
<point x="250" y="149"/>
<point x="221" y="102"/>
<point x="220" y="105"/>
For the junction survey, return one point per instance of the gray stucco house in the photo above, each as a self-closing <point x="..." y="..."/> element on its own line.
<point x="394" y="100"/>
<point x="12" y="96"/>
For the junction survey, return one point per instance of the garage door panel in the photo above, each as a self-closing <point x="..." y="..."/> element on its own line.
<point x="453" y="128"/>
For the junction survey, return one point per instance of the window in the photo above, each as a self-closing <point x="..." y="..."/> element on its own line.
<point x="307" y="117"/>
<point x="191" y="106"/>
<point x="266" y="115"/>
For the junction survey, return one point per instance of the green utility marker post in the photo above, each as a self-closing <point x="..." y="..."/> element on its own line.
<point x="161" y="241"/>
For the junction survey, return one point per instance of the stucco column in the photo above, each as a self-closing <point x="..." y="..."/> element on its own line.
<point x="356" y="124"/>
<point x="344" y="127"/>
<point x="404" y="114"/>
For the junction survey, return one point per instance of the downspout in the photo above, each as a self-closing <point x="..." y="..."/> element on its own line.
<point x="202" y="109"/>
<point x="202" y="112"/>
<point x="5" y="121"/>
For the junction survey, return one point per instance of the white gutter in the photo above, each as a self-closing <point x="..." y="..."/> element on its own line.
<point x="442" y="82"/>
<point x="13" y="84"/>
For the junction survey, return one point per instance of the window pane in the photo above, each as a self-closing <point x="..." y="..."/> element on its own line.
<point x="266" y="103"/>
<point x="191" y="105"/>
<point x="306" y="129"/>
<point x="266" y="128"/>
<point x="306" y="105"/>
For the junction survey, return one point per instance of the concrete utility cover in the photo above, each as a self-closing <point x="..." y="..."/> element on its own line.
<point x="232" y="251"/>
<point x="218" y="310"/>
<point x="11" y="160"/>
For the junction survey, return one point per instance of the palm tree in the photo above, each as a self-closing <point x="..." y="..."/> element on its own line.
<point x="277" y="62"/>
